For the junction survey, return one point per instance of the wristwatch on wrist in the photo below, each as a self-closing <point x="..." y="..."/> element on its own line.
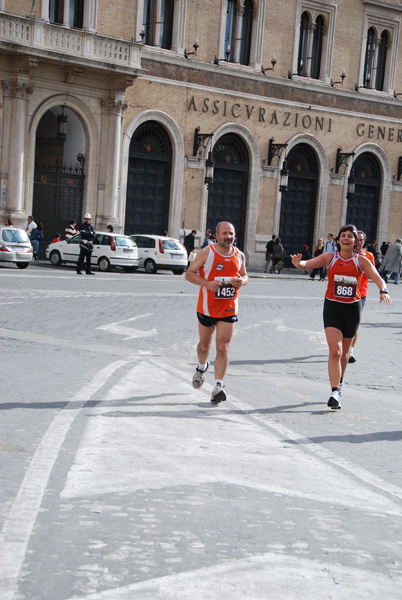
<point x="384" y="291"/>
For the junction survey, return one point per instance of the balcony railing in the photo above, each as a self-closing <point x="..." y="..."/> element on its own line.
<point x="40" y="36"/>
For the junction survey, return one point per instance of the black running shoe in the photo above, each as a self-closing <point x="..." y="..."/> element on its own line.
<point x="218" y="394"/>
<point x="334" y="401"/>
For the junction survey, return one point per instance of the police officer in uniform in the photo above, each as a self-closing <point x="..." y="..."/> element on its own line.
<point x="87" y="232"/>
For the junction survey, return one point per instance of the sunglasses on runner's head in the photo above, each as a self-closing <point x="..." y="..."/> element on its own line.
<point x="351" y="228"/>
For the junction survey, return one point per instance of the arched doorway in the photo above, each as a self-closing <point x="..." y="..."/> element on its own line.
<point x="148" y="180"/>
<point x="59" y="172"/>
<point x="362" y="209"/>
<point x="296" y="226"/>
<point x="227" y="195"/>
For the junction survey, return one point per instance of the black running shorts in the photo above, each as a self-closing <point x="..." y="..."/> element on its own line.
<point x="209" y="321"/>
<point x="342" y="316"/>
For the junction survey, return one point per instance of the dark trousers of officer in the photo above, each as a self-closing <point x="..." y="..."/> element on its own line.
<point x="85" y="254"/>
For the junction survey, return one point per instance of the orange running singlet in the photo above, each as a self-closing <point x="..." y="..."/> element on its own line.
<point x="343" y="279"/>
<point x="363" y="281"/>
<point x="223" y="303"/>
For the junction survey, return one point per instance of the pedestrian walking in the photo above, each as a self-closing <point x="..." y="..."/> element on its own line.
<point x="30" y="225"/>
<point x="87" y="232"/>
<point x="392" y="261"/>
<point x="36" y="236"/>
<point x="220" y="270"/>
<point x="342" y="304"/>
<point x="363" y="284"/>
<point x="188" y="243"/>
<point x="278" y="257"/>
<point x="269" y="255"/>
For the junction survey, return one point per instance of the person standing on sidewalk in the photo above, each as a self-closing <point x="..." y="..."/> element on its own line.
<point x="329" y="246"/>
<point x="319" y="249"/>
<point x="363" y="283"/>
<point x="71" y="230"/>
<point x="87" y="232"/>
<point x="220" y="270"/>
<point x="342" y="305"/>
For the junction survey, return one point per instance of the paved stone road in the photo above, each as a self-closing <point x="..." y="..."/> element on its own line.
<point x="119" y="481"/>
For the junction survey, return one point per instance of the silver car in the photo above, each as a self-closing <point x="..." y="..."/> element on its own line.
<point x="15" y="247"/>
<point x="110" y="250"/>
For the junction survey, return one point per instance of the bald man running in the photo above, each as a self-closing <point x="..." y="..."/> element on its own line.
<point x="220" y="271"/>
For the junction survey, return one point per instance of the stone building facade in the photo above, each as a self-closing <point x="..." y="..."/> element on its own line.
<point x="117" y="108"/>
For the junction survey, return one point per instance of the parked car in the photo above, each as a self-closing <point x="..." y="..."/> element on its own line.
<point x="159" y="252"/>
<point x="110" y="250"/>
<point x="15" y="247"/>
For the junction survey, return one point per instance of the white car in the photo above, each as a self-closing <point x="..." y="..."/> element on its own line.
<point x="15" y="247"/>
<point x="110" y="250"/>
<point x="159" y="252"/>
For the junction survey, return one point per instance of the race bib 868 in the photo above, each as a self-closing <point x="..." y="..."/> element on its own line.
<point x="345" y="287"/>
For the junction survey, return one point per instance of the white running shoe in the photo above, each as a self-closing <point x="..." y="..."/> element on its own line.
<point x="334" y="401"/>
<point x="340" y="390"/>
<point x="218" y="394"/>
<point x="198" y="377"/>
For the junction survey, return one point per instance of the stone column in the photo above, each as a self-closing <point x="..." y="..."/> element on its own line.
<point x="311" y="28"/>
<point x="16" y="96"/>
<point x="239" y="29"/>
<point x="66" y="13"/>
<point x="113" y="110"/>
<point x="44" y="11"/>
<point x="375" y="63"/>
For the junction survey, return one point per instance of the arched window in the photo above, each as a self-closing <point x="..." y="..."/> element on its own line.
<point x="317" y="48"/>
<point x="381" y="61"/>
<point x="158" y="25"/>
<point x="303" y="44"/>
<point x="369" y="60"/>
<point x="238" y="30"/>
<point x="310" y="46"/>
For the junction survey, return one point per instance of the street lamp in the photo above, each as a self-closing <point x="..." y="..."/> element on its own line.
<point x="62" y="126"/>
<point x="283" y="186"/>
<point x="209" y="169"/>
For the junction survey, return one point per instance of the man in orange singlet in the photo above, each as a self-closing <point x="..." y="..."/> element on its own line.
<point x="220" y="271"/>
<point x="363" y="282"/>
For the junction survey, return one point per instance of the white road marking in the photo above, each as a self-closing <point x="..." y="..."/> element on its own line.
<point x="254" y="450"/>
<point x="265" y="577"/>
<point x="180" y="449"/>
<point x="129" y="332"/>
<point x="18" y="526"/>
